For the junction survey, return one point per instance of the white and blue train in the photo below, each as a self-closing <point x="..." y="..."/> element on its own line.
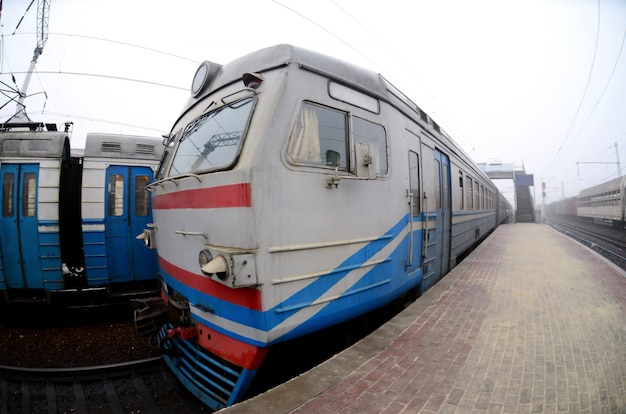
<point x="298" y="191"/>
<point x="68" y="221"/>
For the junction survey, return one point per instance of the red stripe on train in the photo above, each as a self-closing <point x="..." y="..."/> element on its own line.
<point x="247" y="297"/>
<point x="239" y="353"/>
<point x="224" y="196"/>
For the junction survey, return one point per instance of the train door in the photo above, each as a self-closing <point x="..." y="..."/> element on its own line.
<point x="437" y="222"/>
<point x="127" y="213"/>
<point x="414" y="195"/>
<point x="445" y="209"/>
<point x="19" y="229"/>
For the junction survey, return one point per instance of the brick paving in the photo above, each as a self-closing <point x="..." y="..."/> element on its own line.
<point x="530" y="322"/>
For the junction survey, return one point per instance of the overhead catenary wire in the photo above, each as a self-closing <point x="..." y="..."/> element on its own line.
<point x="584" y="95"/>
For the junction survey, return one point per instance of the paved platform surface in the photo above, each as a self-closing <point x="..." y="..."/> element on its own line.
<point x="530" y="322"/>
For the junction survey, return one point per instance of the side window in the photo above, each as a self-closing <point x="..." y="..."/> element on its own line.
<point x="461" y="198"/>
<point x="370" y="133"/>
<point x="115" y="194"/>
<point x="8" y="189"/>
<point x="320" y="137"/>
<point x="446" y="188"/>
<point x="437" y="185"/>
<point x="141" y="196"/>
<point x="469" y="195"/>
<point x="29" y="195"/>
<point x="476" y="195"/>
<point x="414" y="182"/>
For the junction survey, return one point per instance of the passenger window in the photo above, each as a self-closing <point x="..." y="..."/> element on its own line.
<point x="461" y="189"/>
<point x="437" y="185"/>
<point x="141" y="196"/>
<point x="476" y="196"/>
<point x="370" y="133"/>
<point x="414" y="182"/>
<point x="116" y="195"/>
<point x="8" y="189"/>
<point x="29" y="195"/>
<point x="320" y="137"/>
<point x="469" y="195"/>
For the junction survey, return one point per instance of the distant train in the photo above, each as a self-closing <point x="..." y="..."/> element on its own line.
<point x="69" y="221"/>
<point x="604" y="202"/>
<point x="298" y="191"/>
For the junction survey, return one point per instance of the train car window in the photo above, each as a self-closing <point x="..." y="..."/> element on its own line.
<point x="481" y="194"/>
<point x="462" y="198"/>
<point x="349" y="95"/>
<point x="320" y="137"/>
<point x="446" y="189"/>
<point x="212" y="141"/>
<point x="169" y="144"/>
<point x="370" y="133"/>
<point x="29" y="195"/>
<point x="116" y="195"/>
<point x="469" y="194"/>
<point x="414" y="182"/>
<point x="476" y="195"/>
<point x="8" y="189"/>
<point x="142" y="197"/>
<point x="437" y="185"/>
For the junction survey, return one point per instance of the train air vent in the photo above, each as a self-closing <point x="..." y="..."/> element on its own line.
<point x="145" y="149"/>
<point x="436" y="127"/>
<point x="111" y="147"/>
<point x="11" y="146"/>
<point x="38" y="145"/>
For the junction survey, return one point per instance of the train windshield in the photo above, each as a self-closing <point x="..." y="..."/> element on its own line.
<point x="213" y="140"/>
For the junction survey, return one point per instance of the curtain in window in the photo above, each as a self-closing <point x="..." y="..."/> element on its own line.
<point x="305" y="140"/>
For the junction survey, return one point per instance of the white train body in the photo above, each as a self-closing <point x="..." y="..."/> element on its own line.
<point x="606" y="201"/>
<point x="298" y="191"/>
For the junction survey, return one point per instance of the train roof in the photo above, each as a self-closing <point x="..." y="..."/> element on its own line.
<point x="31" y="143"/>
<point x="123" y="146"/>
<point x="367" y="81"/>
<point x="605" y="187"/>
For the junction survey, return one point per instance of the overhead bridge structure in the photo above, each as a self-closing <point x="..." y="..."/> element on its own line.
<point x="522" y="182"/>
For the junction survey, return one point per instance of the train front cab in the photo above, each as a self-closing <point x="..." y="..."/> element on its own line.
<point x="30" y="261"/>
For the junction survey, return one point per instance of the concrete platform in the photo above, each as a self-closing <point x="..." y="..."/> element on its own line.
<point x="530" y="322"/>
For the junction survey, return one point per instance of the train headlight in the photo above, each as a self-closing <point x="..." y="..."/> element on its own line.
<point x="252" y="80"/>
<point x="210" y="265"/>
<point x="148" y="238"/>
<point x="204" y="258"/>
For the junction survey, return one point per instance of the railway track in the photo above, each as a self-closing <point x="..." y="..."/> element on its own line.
<point x="603" y="239"/>
<point x="143" y="386"/>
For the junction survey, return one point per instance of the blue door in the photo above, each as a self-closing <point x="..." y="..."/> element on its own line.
<point x="19" y="228"/>
<point x="127" y="213"/>
<point x="445" y="211"/>
<point x="437" y="223"/>
<point x="414" y="261"/>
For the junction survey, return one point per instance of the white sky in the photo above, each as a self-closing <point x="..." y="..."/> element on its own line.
<point x="536" y="82"/>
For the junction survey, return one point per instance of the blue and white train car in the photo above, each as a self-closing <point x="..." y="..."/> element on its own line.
<point x="69" y="221"/>
<point x="30" y="169"/>
<point x="116" y="207"/>
<point x="298" y="191"/>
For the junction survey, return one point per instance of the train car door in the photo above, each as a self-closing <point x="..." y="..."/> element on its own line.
<point x="127" y="213"/>
<point x="19" y="229"/>
<point x="414" y="261"/>
<point x="445" y="210"/>
<point x="438" y="223"/>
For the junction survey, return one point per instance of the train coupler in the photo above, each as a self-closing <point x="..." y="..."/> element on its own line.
<point x="150" y="314"/>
